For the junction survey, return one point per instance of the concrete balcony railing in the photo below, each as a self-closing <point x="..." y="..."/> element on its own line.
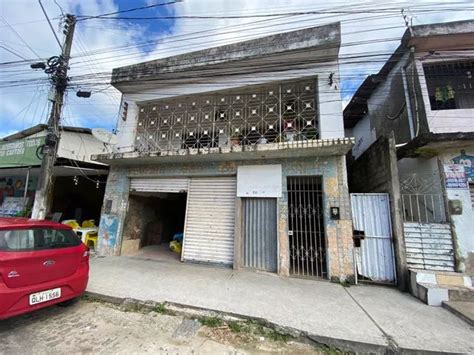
<point x="297" y="149"/>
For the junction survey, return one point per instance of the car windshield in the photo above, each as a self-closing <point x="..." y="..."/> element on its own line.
<point x="37" y="239"/>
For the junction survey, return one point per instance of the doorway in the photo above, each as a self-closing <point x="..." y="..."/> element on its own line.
<point x="375" y="256"/>
<point x="306" y="233"/>
<point x="259" y="228"/>
<point x="154" y="220"/>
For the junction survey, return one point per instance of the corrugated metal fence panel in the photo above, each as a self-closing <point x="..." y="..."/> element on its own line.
<point x="371" y="214"/>
<point x="429" y="246"/>
<point x="159" y="185"/>
<point x="210" y="220"/>
<point x="260" y="233"/>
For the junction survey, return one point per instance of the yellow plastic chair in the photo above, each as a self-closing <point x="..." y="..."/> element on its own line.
<point x="71" y="223"/>
<point x="88" y="223"/>
<point x="91" y="240"/>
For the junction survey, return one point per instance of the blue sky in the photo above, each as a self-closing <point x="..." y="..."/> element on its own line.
<point x="101" y="45"/>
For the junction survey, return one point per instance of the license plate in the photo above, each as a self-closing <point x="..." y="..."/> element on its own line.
<point x="45" y="296"/>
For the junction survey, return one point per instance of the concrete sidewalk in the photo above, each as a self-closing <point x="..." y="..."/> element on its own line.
<point x="362" y="318"/>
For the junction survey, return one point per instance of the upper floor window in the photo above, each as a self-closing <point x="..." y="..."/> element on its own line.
<point x="450" y="85"/>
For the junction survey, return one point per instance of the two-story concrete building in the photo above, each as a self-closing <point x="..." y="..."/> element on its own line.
<point x="241" y="148"/>
<point x="413" y="123"/>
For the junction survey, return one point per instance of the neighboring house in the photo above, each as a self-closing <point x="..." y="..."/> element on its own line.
<point x="241" y="148"/>
<point x="79" y="183"/>
<point x="413" y="123"/>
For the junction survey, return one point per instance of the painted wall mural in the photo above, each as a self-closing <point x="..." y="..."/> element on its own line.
<point x="14" y="186"/>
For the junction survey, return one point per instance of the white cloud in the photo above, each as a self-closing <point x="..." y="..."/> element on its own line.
<point x="99" y="37"/>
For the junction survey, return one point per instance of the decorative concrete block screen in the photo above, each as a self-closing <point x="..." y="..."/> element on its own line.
<point x="285" y="112"/>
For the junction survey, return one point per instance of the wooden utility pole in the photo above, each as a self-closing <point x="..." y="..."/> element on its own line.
<point x="58" y="68"/>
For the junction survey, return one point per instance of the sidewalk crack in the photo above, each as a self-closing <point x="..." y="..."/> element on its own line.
<point x="391" y="343"/>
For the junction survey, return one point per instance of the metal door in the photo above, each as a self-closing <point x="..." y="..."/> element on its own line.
<point x="371" y="214"/>
<point x="210" y="220"/>
<point x="260" y="233"/>
<point x="307" y="237"/>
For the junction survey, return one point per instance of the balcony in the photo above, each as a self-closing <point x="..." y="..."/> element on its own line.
<point x="239" y="118"/>
<point x="253" y="122"/>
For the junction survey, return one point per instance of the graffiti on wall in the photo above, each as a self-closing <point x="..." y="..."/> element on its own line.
<point x="468" y="162"/>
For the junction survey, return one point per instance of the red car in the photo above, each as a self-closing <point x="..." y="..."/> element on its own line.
<point x="41" y="263"/>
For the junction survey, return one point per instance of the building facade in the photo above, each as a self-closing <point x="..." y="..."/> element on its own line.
<point x="424" y="98"/>
<point x="78" y="182"/>
<point x="241" y="149"/>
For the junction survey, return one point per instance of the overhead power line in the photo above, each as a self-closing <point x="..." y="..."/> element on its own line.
<point x="12" y="52"/>
<point x="20" y="37"/>
<point x="50" y="25"/>
<point x="302" y="13"/>
<point x="82" y="18"/>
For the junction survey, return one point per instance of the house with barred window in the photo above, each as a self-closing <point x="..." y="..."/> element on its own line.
<point x="413" y="124"/>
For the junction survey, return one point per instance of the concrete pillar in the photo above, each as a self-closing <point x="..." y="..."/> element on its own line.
<point x="238" y="237"/>
<point x="114" y="210"/>
<point x="282" y="230"/>
<point x="397" y="216"/>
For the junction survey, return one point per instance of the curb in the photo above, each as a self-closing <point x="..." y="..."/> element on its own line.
<point x="194" y="311"/>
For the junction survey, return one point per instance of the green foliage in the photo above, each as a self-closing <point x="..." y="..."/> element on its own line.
<point x="211" y="322"/>
<point x="160" y="308"/>
<point x="235" y="327"/>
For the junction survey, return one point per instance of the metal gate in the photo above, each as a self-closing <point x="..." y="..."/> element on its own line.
<point x="210" y="220"/>
<point x="260" y="233"/>
<point x="306" y="233"/>
<point x="371" y="214"/>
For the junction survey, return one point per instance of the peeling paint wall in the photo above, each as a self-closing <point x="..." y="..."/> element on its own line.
<point x="336" y="194"/>
<point x="115" y="206"/>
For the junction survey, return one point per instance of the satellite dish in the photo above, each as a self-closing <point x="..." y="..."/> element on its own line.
<point x="104" y="136"/>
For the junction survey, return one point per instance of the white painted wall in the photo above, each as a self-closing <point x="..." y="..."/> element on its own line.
<point x="444" y="121"/>
<point x="79" y="146"/>
<point x="364" y="136"/>
<point x="331" y="123"/>
<point x="126" y="130"/>
<point x="329" y="97"/>
<point x="259" y="181"/>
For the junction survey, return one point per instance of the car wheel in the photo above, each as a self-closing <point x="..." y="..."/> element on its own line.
<point x="67" y="303"/>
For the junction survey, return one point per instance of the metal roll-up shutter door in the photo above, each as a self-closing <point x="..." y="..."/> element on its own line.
<point x="210" y="220"/>
<point x="159" y="185"/>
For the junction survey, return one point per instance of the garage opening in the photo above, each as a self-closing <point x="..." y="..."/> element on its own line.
<point x="154" y="225"/>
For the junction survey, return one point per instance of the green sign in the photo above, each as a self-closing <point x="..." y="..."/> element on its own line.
<point x="20" y="153"/>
